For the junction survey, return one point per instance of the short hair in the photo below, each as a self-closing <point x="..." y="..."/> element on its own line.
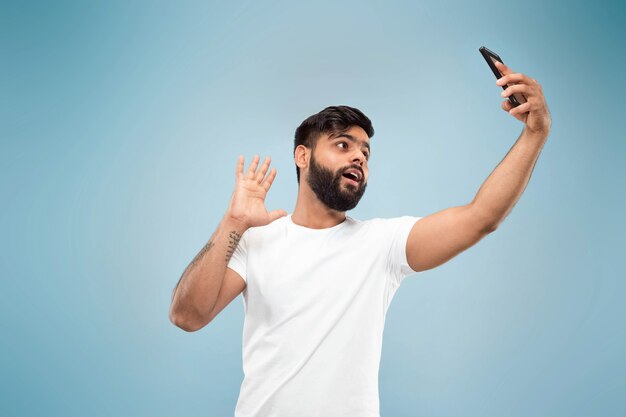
<point x="333" y="120"/>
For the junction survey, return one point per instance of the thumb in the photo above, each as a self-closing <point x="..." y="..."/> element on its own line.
<point x="277" y="214"/>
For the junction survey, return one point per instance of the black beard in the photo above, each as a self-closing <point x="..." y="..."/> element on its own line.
<point x="329" y="190"/>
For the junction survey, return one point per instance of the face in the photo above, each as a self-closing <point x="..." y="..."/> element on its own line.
<point x="328" y="174"/>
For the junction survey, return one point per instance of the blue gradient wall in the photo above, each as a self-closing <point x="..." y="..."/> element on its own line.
<point x="120" y="128"/>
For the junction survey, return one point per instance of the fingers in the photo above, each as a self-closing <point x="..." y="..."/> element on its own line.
<point x="252" y="173"/>
<point x="521" y="109"/>
<point x="239" y="168"/>
<point x="253" y="167"/>
<point x="516" y="88"/>
<point x="269" y="180"/>
<point x="503" y="68"/>
<point x="515" y="78"/>
<point x="277" y="214"/>
<point x="512" y="110"/>
<point x="259" y="176"/>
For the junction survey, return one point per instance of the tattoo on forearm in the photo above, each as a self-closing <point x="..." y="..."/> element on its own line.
<point x="195" y="260"/>
<point x="233" y="241"/>
<point x="200" y="254"/>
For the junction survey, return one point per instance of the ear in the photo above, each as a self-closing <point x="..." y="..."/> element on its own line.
<point x="301" y="156"/>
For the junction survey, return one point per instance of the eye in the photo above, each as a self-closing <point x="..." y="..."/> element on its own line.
<point x="366" y="153"/>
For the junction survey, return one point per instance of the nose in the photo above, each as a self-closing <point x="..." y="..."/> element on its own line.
<point x="359" y="157"/>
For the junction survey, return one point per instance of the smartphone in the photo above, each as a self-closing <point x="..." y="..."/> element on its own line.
<point x="516" y="98"/>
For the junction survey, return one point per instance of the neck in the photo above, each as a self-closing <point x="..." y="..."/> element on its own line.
<point x="312" y="213"/>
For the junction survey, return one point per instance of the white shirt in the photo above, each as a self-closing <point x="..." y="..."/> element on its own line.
<point x="315" y="306"/>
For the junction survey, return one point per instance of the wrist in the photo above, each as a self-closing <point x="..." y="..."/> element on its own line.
<point x="233" y="223"/>
<point x="536" y="135"/>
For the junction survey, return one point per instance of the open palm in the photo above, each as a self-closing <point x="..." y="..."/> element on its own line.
<point x="247" y="205"/>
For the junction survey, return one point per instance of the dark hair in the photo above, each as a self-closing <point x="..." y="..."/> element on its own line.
<point x="334" y="120"/>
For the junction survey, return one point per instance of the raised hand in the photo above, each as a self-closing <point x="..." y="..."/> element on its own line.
<point x="534" y="113"/>
<point x="247" y="205"/>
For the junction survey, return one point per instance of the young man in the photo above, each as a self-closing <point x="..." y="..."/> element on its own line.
<point x="317" y="283"/>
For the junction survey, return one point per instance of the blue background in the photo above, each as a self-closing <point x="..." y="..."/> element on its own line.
<point x="121" y="124"/>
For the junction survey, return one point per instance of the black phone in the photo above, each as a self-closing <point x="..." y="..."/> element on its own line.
<point x="516" y="98"/>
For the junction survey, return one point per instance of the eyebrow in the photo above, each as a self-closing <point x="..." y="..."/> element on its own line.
<point x="353" y="139"/>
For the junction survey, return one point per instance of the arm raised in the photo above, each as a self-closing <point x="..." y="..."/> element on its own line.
<point x="439" y="237"/>
<point x="201" y="292"/>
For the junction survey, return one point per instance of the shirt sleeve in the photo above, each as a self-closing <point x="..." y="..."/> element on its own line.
<point x="400" y="227"/>
<point x="239" y="261"/>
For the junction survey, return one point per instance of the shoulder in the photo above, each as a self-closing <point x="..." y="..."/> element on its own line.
<point x="274" y="229"/>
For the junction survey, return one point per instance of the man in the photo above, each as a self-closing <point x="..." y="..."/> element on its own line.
<point x="317" y="283"/>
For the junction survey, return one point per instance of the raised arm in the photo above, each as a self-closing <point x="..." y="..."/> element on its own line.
<point x="197" y="291"/>
<point x="439" y="237"/>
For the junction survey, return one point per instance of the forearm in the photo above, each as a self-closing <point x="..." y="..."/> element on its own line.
<point x="503" y="188"/>
<point x="198" y="287"/>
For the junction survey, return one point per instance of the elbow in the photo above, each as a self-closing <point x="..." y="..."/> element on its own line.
<point x="487" y="225"/>
<point x="185" y="323"/>
<point x="489" y="228"/>
<point x="484" y="221"/>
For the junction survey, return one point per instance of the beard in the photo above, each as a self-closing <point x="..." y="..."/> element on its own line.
<point x="329" y="189"/>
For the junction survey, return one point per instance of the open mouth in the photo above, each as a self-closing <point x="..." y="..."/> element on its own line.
<point x="351" y="178"/>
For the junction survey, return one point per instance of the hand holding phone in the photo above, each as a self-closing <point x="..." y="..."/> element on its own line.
<point x="516" y="98"/>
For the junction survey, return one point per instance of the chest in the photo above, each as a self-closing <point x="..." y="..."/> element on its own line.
<point x="296" y="276"/>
